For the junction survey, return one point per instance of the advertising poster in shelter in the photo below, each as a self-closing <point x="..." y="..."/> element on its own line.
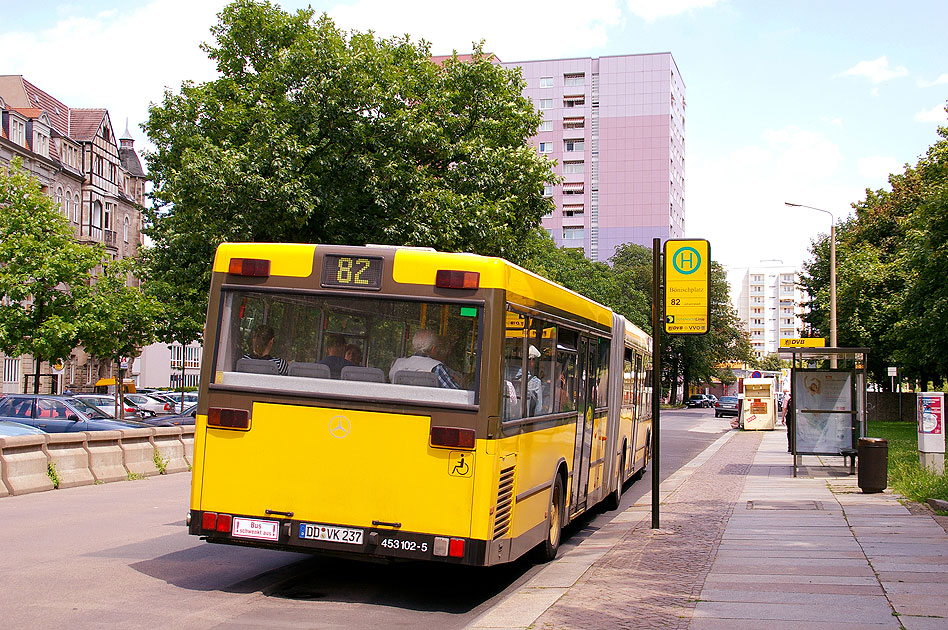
<point x="823" y="403"/>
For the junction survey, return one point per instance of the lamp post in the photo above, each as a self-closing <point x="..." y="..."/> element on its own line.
<point x="832" y="267"/>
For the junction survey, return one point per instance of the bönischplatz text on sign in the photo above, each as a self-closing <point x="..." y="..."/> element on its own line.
<point x="687" y="286"/>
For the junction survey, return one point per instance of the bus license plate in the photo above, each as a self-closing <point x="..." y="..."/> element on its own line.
<point x="252" y="528"/>
<point x="330" y="533"/>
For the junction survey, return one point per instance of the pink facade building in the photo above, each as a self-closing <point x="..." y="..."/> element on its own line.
<point x="616" y="128"/>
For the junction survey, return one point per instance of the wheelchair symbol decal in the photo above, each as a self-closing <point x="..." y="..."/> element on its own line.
<point x="461" y="464"/>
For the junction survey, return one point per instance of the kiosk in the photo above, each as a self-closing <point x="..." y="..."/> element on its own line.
<point x="759" y="406"/>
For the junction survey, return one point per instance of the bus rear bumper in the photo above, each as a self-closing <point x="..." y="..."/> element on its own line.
<point x="288" y="534"/>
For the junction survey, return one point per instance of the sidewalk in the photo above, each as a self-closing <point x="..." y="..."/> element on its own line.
<point x="744" y="544"/>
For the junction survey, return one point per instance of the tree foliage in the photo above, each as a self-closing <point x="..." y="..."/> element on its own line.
<point x="44" y="273"/>
<point x="312" y="134"/>
<point x="892" y="261"/>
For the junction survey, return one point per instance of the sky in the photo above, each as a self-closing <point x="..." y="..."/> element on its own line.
<point x="811" y="102"/>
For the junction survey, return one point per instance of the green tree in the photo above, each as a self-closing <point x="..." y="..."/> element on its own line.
<point x="891" y="265"/>
<point x="311" y="134"/>
<point x="120" y="320"/>
<point x="44" y="273"/>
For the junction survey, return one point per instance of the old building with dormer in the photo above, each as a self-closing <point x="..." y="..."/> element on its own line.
<point x="97" y="181"/>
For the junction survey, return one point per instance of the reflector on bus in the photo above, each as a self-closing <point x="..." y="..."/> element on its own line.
<point x="452" y="437"/>
<point x="228" y="418"/>
<point x="450" y="279"/>
<point x="253" y="267"/>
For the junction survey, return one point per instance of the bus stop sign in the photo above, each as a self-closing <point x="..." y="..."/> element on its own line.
<point x="687" y="286"/>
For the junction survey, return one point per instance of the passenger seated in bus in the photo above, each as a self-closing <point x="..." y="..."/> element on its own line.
<point x="335" y="358"/>
<point x="534" y="386"/>
<point x="354" y="354"/>
<point x="261" y="343"/>
<point x="422" y="361"/>
<point x="442" y="352"/>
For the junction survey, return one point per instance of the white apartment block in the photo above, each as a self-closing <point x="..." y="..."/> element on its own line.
<point x="769" y="301"/>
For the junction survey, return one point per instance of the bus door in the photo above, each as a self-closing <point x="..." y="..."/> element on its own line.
<point x="582" y="450"/>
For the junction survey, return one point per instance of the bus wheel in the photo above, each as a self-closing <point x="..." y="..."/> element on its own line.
<point x="546" y="551"/>
<point x="614" y="497"/>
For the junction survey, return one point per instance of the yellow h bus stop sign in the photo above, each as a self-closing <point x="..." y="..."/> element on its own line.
<point x="687" y="286"/>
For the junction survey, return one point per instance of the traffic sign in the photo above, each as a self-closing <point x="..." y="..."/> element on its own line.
<point x="687" y="286"/>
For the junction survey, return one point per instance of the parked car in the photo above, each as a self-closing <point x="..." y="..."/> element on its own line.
<point x="727" y="406"/>
<point x="151" y="403"/>
<point x="59" y="414"/>
<point x="698" y="400"/>
<point x="190" y="398"/>
<point x="184" y="419"/>
<point x="10" y="429"/>
<point x="106" y="402"/>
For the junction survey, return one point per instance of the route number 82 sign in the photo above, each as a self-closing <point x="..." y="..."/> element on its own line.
<point x="687" y="270"/>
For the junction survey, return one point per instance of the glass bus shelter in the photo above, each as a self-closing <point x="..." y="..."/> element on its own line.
<point x="827" y="412"/>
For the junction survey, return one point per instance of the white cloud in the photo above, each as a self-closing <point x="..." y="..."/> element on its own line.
<point x="504" y="25"/>
<point x="942" y="80"/>
<point x="877" y="71"/>
<point x="737" y="200"/>
<point x="934" y="115"/>
<point x="117" y="59"/>
<point x="651" y="10"/>
<point x="878" y="168"/>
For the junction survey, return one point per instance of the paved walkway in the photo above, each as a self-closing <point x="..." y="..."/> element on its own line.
<point x="748" y="546"/>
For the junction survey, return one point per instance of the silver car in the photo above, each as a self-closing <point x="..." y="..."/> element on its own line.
<point x="149" y="403"/>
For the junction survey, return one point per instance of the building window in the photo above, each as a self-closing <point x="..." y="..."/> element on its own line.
<point x="546" y="147"/>
<point x="573" y="209"/>
<point x="107" y="215"/>
<point x="547" y="190"/>
<point x="574" y="123"/>
<point x="17" y="132"/>
<point x="574" y="145"/>
<point x="125" y="229"/>
<point x="546" y="125"/>
<point x="574" y="234"/>
<point x="63" y="206"/>
<point x="76" y="206"/>
<point x="546" y="103"/>
<point x="574" y="101"/>
<point x="574" y="167"/>
<point x="546" y="82"/>
<point x="11" y="370"/>
<point x="578" y="78"/>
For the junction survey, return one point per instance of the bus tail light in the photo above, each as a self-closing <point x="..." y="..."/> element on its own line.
<point x="448" y="279"/>
<point x="452" y="437"/>
<point x="253" y="267"/>
<point x="228" y="418"/>
<point x="209" y="520"/>
<point x="223" y="522"/>
<point x="451" y="547"/>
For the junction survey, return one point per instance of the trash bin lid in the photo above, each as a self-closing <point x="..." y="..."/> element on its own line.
<point x="873" y="441"/>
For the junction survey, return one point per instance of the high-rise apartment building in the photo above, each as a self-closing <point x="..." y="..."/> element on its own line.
<point x="769" y="301"/>
<point x="616" y="128"/>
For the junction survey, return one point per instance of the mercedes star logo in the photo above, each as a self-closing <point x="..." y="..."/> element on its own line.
<point x="339" y="427"/>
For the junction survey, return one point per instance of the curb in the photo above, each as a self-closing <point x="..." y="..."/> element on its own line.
<point x="521" y="609"/>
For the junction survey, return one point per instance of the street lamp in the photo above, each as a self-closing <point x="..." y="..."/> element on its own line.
<point x="832" y="267"/>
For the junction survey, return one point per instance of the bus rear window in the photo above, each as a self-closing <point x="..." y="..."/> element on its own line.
<point x="358" y="347"/>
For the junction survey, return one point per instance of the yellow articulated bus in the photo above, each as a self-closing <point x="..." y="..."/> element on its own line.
<point x="405" y="403"/>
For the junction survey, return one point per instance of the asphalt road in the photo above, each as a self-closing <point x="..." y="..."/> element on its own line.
<point x="118" y="556"/>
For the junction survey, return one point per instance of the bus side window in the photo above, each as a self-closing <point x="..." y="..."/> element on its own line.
<point x="566" y="342"/>
<point x="513" y="381"/>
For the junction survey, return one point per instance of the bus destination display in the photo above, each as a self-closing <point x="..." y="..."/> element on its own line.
<point x="352" y="272"/>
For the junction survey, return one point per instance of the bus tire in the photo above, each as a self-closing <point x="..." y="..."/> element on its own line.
<point x="615" y="497"/>
<point x="546" y="551"/>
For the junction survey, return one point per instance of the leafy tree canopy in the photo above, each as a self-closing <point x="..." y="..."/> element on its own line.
<point x="312" y="134"/>
<point x="892" y="261"/>
<point x="44" y="273"/>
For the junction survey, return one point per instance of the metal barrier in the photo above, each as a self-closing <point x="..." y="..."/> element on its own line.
<point x="35" y="463"/>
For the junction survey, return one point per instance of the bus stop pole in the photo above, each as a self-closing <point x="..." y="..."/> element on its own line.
<point x="656" y="369"/>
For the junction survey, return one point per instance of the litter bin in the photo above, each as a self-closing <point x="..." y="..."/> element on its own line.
<point x="873" y="456"/>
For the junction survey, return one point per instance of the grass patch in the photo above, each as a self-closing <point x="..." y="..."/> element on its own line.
<point x="906" y="475"/>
